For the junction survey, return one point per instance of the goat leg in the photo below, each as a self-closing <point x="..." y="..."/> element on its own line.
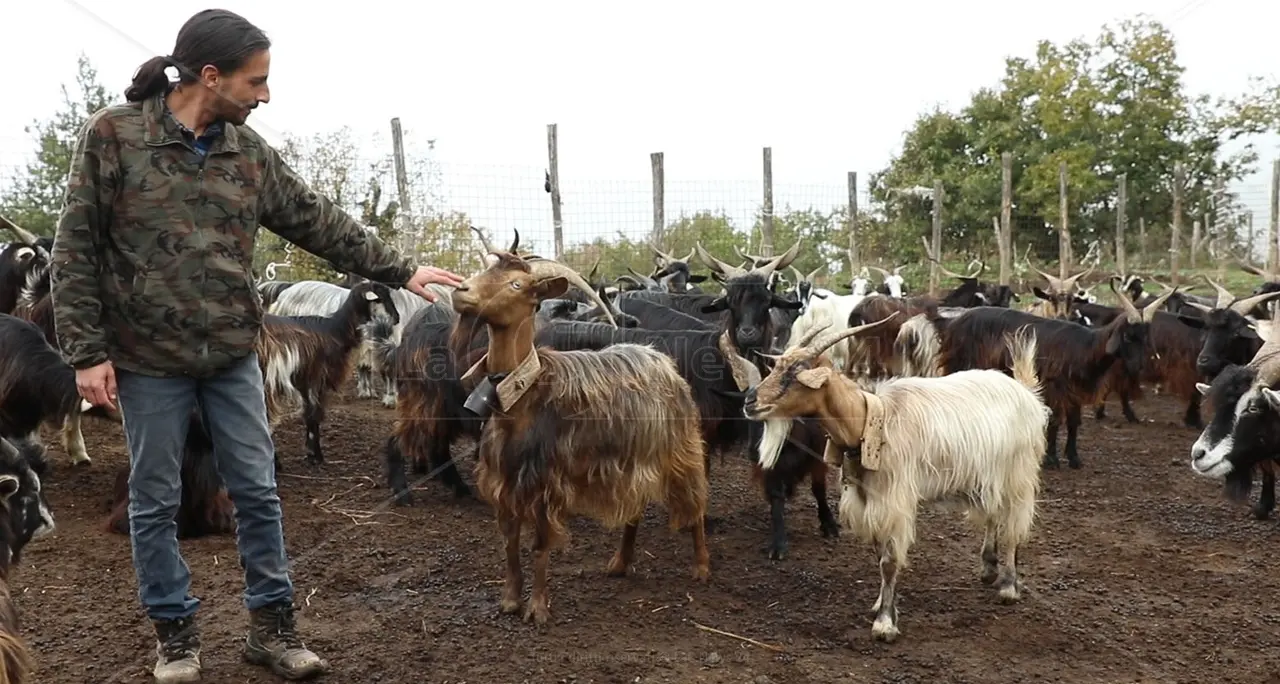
<point x="775" y="487"/>
<point x="312" y="417"/>
<point x="73" y="440"/>
<point x="364" y="380"/>
<point x="1192" y="417"/>
<point x="1051" y="441"/>
<point x="625" y="554"/>
<point x="990" y="552"/>
<point x="396" y="480"/>
<point x="818" y="485"/>
<point x="1267" y="497"/>
<point x="1127" y="408"/>
<point x="885" y="627"/>
<point x="1073" y="431"/>
<point x="514" y="581"/>
<point x="538" y="609"/>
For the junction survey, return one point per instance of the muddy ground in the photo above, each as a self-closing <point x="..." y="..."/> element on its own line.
<point x="1139" y="572"/>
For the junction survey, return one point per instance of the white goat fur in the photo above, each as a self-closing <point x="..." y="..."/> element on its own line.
<point x="975" y="437"/>
<point x="832" y="314"/>
<point x="318" y="298"/>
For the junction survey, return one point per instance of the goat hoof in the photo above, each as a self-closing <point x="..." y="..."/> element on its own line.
<point x="1051" y="465"/>
<point x="315" y="459"/>
<point x="830" y="530"/>
<point x="617" y="566"/>
<point x="778" y="552"/>
<point x="461" y="491"/>
<point x="509" y="605"/>
<point x="989" y="574"/>
<point x="701" y="573"/>
<point x="711" y="525"/>
<point x="1075" y="464"/>
<point x="1260" y="513"/>
<point x="403" y="498"/>
<point x="883" y="630"/>
<point x="536" y="611"/>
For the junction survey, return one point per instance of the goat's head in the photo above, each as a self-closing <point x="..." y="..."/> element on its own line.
<point x="1060" y="292"/>
<point x="893" y="283"/>
<point x="1229" y="331"/>
<point x="1245" y="428"/>
<point x="673" y="274"/>
<point x="1128" y="341"/>
<point x="22" y="466"/>
<point x="798" y="384"/>
<point x="508" y="291"/>
<point x="748" y="298"/>
<point x="998" y="295"/>
<point x="373" y="300"/>
<point x="804" y="287"/>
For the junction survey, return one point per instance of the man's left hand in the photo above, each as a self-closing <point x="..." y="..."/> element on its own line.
<point x="427" y="275"/>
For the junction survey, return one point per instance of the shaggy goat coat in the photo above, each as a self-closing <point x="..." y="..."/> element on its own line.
<point x="600" y="433"/>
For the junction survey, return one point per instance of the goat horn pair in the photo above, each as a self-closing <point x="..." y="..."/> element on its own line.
<point x="667" y="257"/>
<point x="22" y="233"/>
<point x="826" y="340"/>
<point x="1063" y="286"/>
<point x="554" y="269"/>
<point x="1148" y="312"/>
<point x="765" y="270"/>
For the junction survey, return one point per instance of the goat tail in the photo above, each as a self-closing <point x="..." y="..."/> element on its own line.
<point x="919" y="347"/>
<point x="16" y="661"/>
<point x="1022" y="354"/>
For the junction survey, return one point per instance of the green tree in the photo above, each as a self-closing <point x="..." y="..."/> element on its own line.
<point x="35" y="199"/>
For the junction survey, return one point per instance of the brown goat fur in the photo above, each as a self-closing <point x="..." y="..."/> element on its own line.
<point x="595" y="433"/>
<point x="876" y="347"/>
<point x="305" y="359"/>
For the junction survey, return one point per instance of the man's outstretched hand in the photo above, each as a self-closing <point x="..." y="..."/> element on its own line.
<point x="428" y="275"/>
<point x="97" y="385"/>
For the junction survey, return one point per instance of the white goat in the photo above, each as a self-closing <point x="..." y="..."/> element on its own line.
<point x="974" y="438"/>
<point x="318" y="298"/>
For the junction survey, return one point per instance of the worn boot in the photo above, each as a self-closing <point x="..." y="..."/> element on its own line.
<point x="177" y="651"/>
<point x="273" y="642"/>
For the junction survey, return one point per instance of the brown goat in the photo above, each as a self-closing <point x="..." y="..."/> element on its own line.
<point x="305" y="359"/>
<point x="596" y="433"/>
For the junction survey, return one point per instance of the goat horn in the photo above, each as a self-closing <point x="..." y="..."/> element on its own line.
<point x="777" y="262"/>
<point x="553" y="269"/>
<point x="595" y="268"/>
<point x="982" y="267"/>
<point x="1055" y="285"/>
<point x="799" y="276"/>
<point x="830" y="339"/>
<point x="1224" y="295"/>
<point x="808" y="337"/>
<point x="515" y="244"/>
<point x="883" y="273"/>
<point x="1131" y="311"/>
<point x="813" y="274"/>
<point x="1069" y="282"/>
<point x="1244" y="306"/>
<point x="665" y="257"/>
<point x="717" y="265"/>
<point x="1200" y="307"/>
<point x="647" y="281"/>
<point x="1149" y="311"/>
<point x="749" y="258"/>
<point x="898" y="269"/>
<point x="22" y="233"/>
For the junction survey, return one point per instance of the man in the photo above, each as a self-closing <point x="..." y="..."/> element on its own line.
<point x="154" y="305"/>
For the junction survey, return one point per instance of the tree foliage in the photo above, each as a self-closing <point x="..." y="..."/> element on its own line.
<point x="1115" y="105"/>
<point x="35" y="199"/>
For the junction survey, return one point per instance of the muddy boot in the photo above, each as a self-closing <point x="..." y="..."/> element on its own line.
<point x="273" y="642"/>
<point x="177" y="651"/>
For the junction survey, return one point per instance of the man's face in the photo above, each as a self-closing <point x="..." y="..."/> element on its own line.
<point x="242" y="90"/>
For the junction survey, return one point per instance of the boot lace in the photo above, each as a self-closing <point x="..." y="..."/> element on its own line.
<point x="179" y="640"/>
<point x="281" y="623"/>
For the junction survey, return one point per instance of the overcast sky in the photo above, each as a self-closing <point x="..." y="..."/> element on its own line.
<point x="831" y="86"/>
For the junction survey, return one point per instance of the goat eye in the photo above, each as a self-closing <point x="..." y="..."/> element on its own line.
<point x="515" y="285"/>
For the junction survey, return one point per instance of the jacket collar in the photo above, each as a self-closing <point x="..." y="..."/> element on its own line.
<point x="163" y="129"/>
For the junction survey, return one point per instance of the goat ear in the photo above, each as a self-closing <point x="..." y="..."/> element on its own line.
<point x="371" y="295"/>
<point x="1202" y="388"/>
<point x="8" y="486"/>
<point x="780" y="303"/>
<point x="697" y="278"/>
<point x="716" y="305"/>
<point x="1113" y="342"/>
<point x="1191" y="321"/>
<point x="814" y="378"/>
<point x="550" y="288"/>
<point x="1272" y="397"/>
<point x="1042" y="294"/>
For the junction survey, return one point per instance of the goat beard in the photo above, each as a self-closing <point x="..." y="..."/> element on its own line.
<point x="776" y="432"/>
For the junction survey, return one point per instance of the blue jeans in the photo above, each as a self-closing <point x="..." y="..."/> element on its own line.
<point x="156" y="413"/>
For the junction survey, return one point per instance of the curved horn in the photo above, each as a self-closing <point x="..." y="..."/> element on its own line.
<point x="749" y="258"/>
<point x="1244" y="306"/>
<point x="787" y="257"/>
<point x="22" y="233"/>
<point x="648" y="281"/>
<point x="897" y="270"/>
<point x="515" y="244"/>
<point x="717" y="265"/>
<point x="982" y="267"/>
<point x="1055" y="285"/>
<point x="554" y="269"/>
<point x="808" y="337"/>
<point x="883" y="273"/>
<point x="830" y="339"/>
<point x="1149" y="311"/>
<point x="1071" y="281"/>
<point x="1131" y="312"/>
<point x="628" y="279"/>
<point x="813" y="274"/>
<point x="661" y="254"/>
<point x="595" y="271"/>
<point x="489" y="247"/>
<point x="799" y="276"/>
<point x="1224" y="295"/>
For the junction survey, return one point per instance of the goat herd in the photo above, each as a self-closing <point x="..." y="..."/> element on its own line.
<point x="593" y="399"/>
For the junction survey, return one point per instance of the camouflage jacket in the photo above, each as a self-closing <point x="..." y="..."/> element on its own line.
<point x="153" y="251"/>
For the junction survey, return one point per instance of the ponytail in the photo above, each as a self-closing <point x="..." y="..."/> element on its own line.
<point x="148" y="80"/>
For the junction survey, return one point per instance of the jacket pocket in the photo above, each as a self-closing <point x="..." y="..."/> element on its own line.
<point x="150" y="307"/>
